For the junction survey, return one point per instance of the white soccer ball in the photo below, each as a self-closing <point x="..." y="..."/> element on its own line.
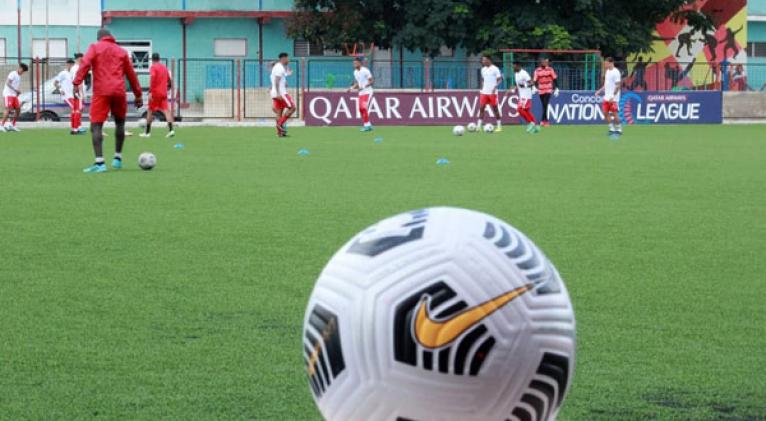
<point x="142" y="123"/>
<point x="488" y="128"/>
<point x="458" y="130"/>
<point x="439" y="314"/>
<point x="471" y="127"/>
<point x="147" y="161"/>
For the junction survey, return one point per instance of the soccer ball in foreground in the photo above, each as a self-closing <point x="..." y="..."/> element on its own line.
<point x="439" y="314"/>
<point x="142" y="123"/>
<point x="147" y="161"/>
<point x="488" y="128"/>
<point x="471" y="127"/>
<point x="458" y="130"/>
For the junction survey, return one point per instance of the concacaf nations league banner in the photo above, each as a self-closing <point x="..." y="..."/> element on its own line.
<point x="460" y="107"/>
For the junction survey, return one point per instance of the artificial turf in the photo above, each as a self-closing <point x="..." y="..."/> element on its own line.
<point x="179" y="293"/>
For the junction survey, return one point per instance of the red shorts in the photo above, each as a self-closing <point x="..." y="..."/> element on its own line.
<point x="364" y="101"/>
<point x="487" y="99"/>
<point x="158" y="104"/>
<point x="75" y="104"/>
<point x="285" y="101"/>
<point x="102" y="105"/>
<point x="12" y="102"/>
<point x="525" y="104"/>
<point x="611" y="107"/>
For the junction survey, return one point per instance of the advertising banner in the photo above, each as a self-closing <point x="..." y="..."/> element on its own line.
<point x="461" y="107"/>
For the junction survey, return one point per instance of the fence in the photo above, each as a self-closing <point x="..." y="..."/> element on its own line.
<point x="239" y="89"/>
<point x="256" y="87"/>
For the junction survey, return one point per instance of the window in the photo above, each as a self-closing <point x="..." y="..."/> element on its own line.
<point x="56" y="48"/>
<point x="756" y="49"/>
<point x="303" y="48"/>
<point x="233" y="47"/>
<point x="3" y="52"/>
<point x="140" y="54"/>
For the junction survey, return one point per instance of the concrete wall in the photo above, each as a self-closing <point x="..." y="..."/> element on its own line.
<point x="744" y="105"/>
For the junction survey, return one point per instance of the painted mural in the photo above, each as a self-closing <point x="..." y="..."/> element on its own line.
<point x="684" y="58"/>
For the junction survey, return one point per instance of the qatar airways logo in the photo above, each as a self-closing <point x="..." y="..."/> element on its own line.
<point x="403" y="108"/>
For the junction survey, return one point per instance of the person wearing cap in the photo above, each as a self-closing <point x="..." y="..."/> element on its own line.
<point x="159" y="83"/>
<point x="111" y="65"/>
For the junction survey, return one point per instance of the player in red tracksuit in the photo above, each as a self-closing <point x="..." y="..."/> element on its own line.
<point x="110" y="64"/>
<point x="159" y="83"/>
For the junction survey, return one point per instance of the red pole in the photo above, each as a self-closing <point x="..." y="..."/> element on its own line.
<point x="37" y="88"/>
<point x="183" y="22"/>
<point x="172" y="96"/>
<point x="239" y="93"/>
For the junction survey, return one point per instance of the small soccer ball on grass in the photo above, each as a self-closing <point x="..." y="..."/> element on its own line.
<point x="439" y="314"/>
<point x="488" y="128"/>
<point x="147" y="161"/>
<point x="471" y="127"/>
<point x="142" y="123"/>
<point x="458" y="130"/>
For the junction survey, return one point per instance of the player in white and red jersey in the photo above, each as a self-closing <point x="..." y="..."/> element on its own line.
<point x="63" y="83"/>
<point x="283" y="105"/>
<point x="363" y="81"/>
<point x="491" y="78"/>
<point x="79" y="92"/>
<point x="611" y="91"/>
<point x="524" y="85"/>
<point x="11" y="92"/>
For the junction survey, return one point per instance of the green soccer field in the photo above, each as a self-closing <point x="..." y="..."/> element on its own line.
<point x="179" y="293"/>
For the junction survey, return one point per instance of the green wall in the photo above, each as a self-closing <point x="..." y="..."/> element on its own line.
<point x="87" y="35"/>
<point x="198" y="4"/>
<point x="238" y="4"/>
<point x="275" y="39"/>
<point x="165" y="34"/>
<point x="756" y="7"/>
<point x="756" y="31"/>
<point x="141" y="4"/>
<point x="201" y="34"/>
<point x="277" y="4"/>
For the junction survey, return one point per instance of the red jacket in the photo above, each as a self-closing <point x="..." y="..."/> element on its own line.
<point x="110" y="65"/>
<point x="158" y="80"/>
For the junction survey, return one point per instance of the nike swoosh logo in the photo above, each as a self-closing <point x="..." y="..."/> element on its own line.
<point x="436" y="333"/>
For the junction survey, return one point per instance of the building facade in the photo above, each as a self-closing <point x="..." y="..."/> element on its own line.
<point x="247" y="29"/>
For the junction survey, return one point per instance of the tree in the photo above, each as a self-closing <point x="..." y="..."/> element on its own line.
<point x="616" y="27"/>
